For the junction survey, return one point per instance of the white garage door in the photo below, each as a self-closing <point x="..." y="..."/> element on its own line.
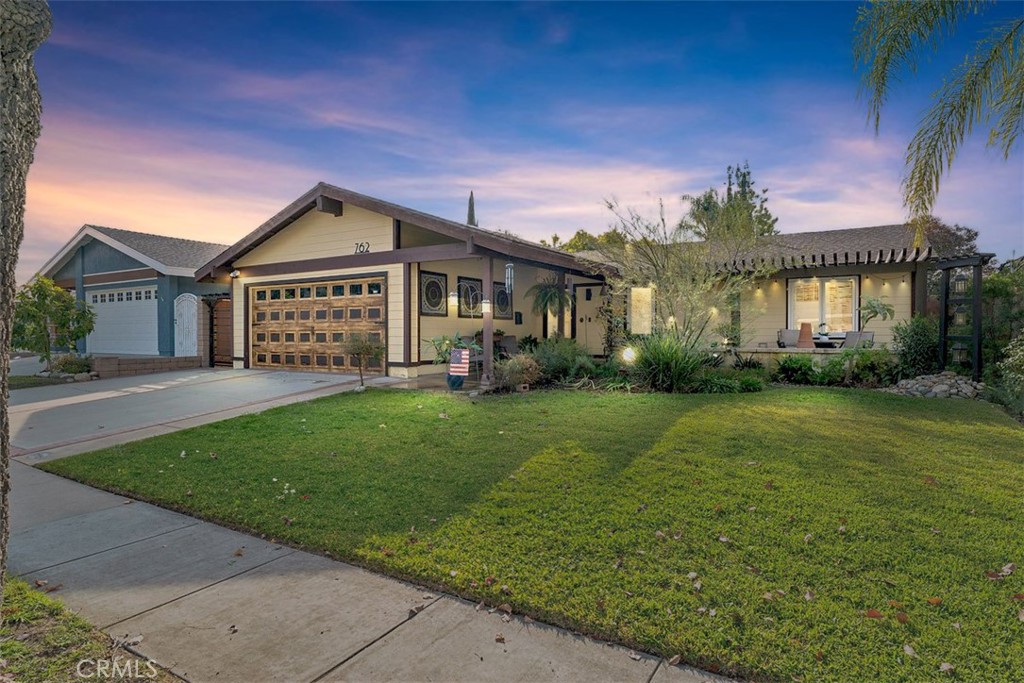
<point x="126" y="321"/>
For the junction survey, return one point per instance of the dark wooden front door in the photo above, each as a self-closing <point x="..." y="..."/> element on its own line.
<point x="222" y="332"/>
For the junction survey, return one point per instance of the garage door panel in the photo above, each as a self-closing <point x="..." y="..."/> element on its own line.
<point x="126" y="321"/>
<point x="304" y="326"/>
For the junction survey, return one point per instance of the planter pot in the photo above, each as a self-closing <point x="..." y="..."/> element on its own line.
<point x="455" y="382"/>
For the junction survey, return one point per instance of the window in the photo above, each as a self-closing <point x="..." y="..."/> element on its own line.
<point x="320" y="337"/>
<point x="373" y="313"/>
<point x="303" y="337"/>
<point x="355" y="314"/>
<point x="321" y="291"/>
<point x="103" y="298"/>
<point x="305" y="292"/>
<point x="337" y="337"/>
<point x="337" y="313"/>
<point x="95" y="298"/>
<point x="832" y="301"/>
<point x="373" y="288"/>
<point x="289" y="315"/>
<point x="304" y="314"/>
<point x="138" y="295"/>
<point x="275" y="337"/>
<point x="338" y="290"/>
<point x="275" y="316"/>
<point x="355" y="290"/>
<point x="261" y="316"/>
<point x="289" y="293"/>
<point x="120" y="296"/>
<point x="321" y="314"/>
<point x="289" y="337"/>
<point x="261" y="337"/>
<point x="148" y="294"/>
<point x="261" y="295"/>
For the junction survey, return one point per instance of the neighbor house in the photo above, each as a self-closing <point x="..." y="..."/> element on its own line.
<point x="335" y="263"/>
<point x="142" y="288"/>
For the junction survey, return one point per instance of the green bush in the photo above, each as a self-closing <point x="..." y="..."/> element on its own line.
<point x="558" y="358"/>
<point x="1012" y="365"/>
<point x="517" y="370"/>
<point x="916" y="344"/>
<point x="834" y="372"/>
<point x="795" y="369"/>
<point x="528" y="343"/>
<point x="71" y="364"/>
<point x="582" y="368"/>
<point x="874" y="368"/>
<point x="747" y="363"/>
<point x="664" y="363"/>
<point x="716" y="383"/>
<point x="750" y="383"/>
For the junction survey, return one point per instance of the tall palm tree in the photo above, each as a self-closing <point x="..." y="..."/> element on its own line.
<point x="549" y="297"/>
<point x="24" y="25"/>
<point x="987" y="89"/>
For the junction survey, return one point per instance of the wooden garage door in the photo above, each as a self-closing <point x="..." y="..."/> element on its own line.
<point x="304" y="326"/>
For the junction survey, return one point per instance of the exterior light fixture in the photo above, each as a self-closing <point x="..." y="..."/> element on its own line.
<point x="485" y="306"/>
<point x="629" y="354"/>
<point x="960" y="316"/>
<point x="960" y="284"/>
<point x="234" y="274"/>
<point x="453" y="299"/>
<point x="959" y="352"/>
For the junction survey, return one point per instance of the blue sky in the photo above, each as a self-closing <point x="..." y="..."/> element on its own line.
<point x="204" y="119"/>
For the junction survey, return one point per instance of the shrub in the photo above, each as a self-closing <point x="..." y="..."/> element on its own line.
<point x="834" y="372"/>
<point x="582" y="367"/>
<point x="716" y="383"/>
<point x="874" y="368"/>
<point x="664" y="363"/>
<point x="517" y="370"/>
<point x="795" y="369"/>
<point x="71" y="364"/>
<point x="528" y="343"/>
<point x="916" y="344"/>
<point x="750" y="383"/>
<point x="747" y="363"/>
<point x="558" y="357"/>
<point x="1012" y="365"/>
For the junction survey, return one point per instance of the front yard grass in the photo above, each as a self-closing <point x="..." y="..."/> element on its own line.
<point x="806" y="534"/>
<point x="30" y="381"/>
<point x="42" y="642"/>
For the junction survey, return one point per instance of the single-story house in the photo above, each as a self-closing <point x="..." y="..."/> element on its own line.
<point x="142" y="288"/>
<point x="334" y="263"/>
<point x="823" y="278"/>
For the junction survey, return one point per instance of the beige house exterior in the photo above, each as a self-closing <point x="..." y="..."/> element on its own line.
<point x="335" y="262"/>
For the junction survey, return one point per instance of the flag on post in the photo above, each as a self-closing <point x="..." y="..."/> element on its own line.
<point x="458" y="363"/>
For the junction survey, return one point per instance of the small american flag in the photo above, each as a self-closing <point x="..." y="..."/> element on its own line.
<point x="458" y="364"/>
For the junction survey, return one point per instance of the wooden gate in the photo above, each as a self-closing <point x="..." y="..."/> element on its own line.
<point x="186" y="325"/>
<point x="221" y="332"/>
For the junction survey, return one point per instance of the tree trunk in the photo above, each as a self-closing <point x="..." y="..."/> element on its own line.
<point x="24" y="25"/>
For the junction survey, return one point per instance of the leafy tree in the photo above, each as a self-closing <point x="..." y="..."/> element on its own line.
<point x="682" y="262"/>
<point x="365" y="351"/>
<point x="549" y="296"/>
<point x="986" y="89"/>
<point x="47" y="316"/>
<point x="949" y="240"/>
<point x="23" y="27"/>
<point x="584" y="241"/>
<point x="555" y="241"/>
<point x="742" y="206"/>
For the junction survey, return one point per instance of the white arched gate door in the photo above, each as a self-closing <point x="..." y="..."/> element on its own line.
<point x="186" y="325"/>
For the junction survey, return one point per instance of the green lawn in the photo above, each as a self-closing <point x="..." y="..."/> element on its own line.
<point x="751" y="534"/>
<point x="42" y="642"/>
<point x="30" y="381"/>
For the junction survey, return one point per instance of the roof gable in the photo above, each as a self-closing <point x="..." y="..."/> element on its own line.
<point x="167" y="255"/>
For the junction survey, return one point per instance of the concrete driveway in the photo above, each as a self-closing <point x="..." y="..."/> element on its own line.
<point x="65" y="419"/>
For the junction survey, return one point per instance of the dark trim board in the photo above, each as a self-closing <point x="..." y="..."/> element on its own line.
<point x="436" y="252"/>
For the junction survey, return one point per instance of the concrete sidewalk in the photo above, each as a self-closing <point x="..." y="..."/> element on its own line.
<point x="213" y="604"/>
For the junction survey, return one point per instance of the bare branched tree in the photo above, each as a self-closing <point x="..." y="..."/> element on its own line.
<point x="24" y="25"/>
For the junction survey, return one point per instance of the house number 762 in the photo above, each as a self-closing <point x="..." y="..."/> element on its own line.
<point x="362" y="247"/>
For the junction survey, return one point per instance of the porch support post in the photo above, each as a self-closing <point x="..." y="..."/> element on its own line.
<point x="487" y="374"/>
<point x="943" y="317"/>
<point x="561" y="310"/>
<point x="976" y="313"/>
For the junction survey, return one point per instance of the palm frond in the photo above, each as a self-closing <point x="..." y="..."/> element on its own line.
<point x="981" y="87"/>
<point x="890" y="35"/>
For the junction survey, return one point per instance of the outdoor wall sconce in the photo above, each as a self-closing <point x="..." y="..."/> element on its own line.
<point x="453" y="299"/>
<point x="485" y="306"/>
<point x="960" y="284"/>
<point x="960" y="316"/>
<point x="233" y="274"/>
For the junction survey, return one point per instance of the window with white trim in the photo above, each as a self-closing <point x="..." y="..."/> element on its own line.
<point x="829" y="300"/>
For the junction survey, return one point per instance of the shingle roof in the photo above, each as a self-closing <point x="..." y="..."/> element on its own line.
<point x="173" y="252"/>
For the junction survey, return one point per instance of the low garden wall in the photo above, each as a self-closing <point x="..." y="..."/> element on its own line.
<point x="120" y="366"/>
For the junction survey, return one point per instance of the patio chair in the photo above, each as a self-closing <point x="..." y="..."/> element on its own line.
<point x="856" y="340"/>
<point x="476" y="358"/>
<point x="788" y="338"/>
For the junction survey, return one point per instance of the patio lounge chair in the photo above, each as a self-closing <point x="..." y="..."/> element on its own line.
<point x="856" y="340"/>
<point x="788" y="338"/>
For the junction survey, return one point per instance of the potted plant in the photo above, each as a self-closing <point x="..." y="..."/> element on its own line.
<point x="443" y="345"/>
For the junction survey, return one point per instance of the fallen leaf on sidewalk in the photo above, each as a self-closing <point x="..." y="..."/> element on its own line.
<point x="675" y="659"/>
<point x="232" y="629"/>
<point x="41" y="582"/>
<point x="50" y="589"/>
<point x="416" y="610"/>
<point x="500" y="638"/>
<point x="505" y="607"/>
<point x="634" y="656"/>
<point x="128" y="502"/>
<point x="239" y="552"/>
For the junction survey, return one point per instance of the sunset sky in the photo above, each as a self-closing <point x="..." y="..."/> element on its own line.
<point x="202" y="120"/>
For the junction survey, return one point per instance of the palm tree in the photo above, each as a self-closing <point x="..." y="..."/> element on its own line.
<point x="25" y="26"/>
<point x="987" y="87"/>
<point x="549" y="297"/>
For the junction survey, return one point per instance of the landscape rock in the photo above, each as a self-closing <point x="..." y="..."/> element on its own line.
<point x="82" y="377"/>
<point x="946" y="384"/>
